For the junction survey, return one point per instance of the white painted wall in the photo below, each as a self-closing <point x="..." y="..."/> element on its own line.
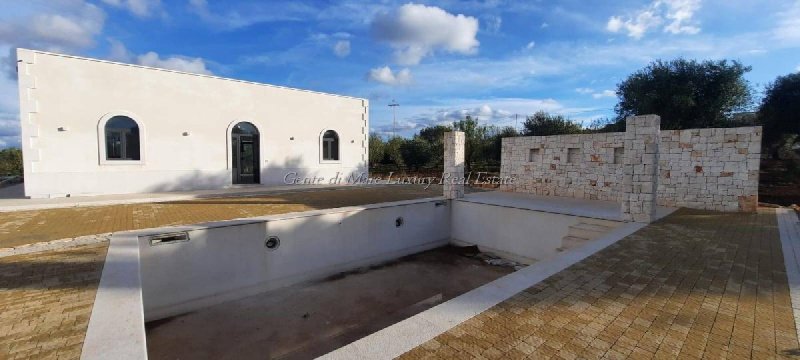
<point x="59" y="91"/>
<point x="229" y="260"/>
<point x="519" y="234"/>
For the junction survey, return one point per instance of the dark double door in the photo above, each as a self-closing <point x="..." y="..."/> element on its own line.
<point x="245" y="152"/>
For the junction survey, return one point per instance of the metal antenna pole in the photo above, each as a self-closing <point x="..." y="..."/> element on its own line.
<point x="394" y="106"/>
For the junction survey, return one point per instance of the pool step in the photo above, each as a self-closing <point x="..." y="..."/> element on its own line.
<point x="569" y="242"/>
<point x="584" y="231"/>
<point x="588" y="231"/>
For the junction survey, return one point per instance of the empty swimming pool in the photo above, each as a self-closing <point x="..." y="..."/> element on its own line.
<point x="303" y="284"/>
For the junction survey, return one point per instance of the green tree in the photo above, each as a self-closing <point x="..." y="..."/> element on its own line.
<point x="686" y="93"/>
<point x="392" y="151"/>
<point x="780" y="110"/>
<point x="434" y="135"/>
<point x="603" y="125"/>
<point x="474" y="142"/>
<point x="495" y="148"/>
<point x="544" y="124"/>
<point x="377" y="149"/>
<point x="416" y="153"/>
<point x="11" y="162"/>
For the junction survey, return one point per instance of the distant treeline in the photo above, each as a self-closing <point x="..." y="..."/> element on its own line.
<point x="686" y="94"/>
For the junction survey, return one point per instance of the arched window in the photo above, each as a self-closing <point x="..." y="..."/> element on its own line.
<point x="330" y="146"/>
<point x="122" y="139"/>
<point x="245" y="128"/>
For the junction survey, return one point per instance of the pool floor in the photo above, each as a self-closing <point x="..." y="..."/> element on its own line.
<point x="308" y="320"/>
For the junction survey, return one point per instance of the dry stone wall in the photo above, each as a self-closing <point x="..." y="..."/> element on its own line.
<point x="543" y="165"/>
<point x="714" y="169"/>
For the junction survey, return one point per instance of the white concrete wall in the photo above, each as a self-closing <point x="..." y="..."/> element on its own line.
<point x="519" y="234"/>
<point x="59" y="91"/>
<point x="229" y="260"/>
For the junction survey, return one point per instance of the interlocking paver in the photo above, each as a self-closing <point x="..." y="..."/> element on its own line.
<point x="696" y="284"/>
<point x="25" y="227"/>
<point x="46" y="300"/>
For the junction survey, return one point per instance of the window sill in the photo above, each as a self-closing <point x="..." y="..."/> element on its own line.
<point x="121" y="162"/>
<point x="330" y="161"/>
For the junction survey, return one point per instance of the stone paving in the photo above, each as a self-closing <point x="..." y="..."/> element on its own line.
<point x="695" y="284"/>
<point x="46" y="300"/>
<point x="25" y="227"/>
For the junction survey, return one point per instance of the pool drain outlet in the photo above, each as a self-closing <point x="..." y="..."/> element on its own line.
<point x="272" y="243"/>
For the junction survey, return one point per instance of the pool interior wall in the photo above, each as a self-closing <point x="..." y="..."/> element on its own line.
<point x="223" y="263"/>
<point x="229" y="260"/>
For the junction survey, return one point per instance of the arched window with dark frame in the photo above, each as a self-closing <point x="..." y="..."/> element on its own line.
<point x="330" y="146"/>
<point x="122" y="139"/>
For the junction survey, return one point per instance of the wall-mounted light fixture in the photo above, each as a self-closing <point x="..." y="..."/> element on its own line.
<point x="63" y="128"/>
<point x="291" y="138"/>
<point x="185" y="133"/>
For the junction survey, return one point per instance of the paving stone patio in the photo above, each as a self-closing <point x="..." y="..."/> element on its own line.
<point x="25" y="227"/>
<point x="46" y="300"/>
<point x="696" y="284"/>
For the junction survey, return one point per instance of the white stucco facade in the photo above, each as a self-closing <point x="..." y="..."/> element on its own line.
<point x="184" y="122"/>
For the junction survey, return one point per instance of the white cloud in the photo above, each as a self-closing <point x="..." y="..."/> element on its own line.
<point x="416" y="31"/>
<point x="636" y="26"/>
<point x="604" y="94"/>
<point x="65" y="26"/>
<point x="499" y="112"/>
<point x="494" y="111"/>
<point x="342" y="48"/>
<point x="118" y="52"/>
<point x="595" y="94"/>
<point x="530" y="45"/>
<point x="140" y="8"/>
<point x="493" y="23"/>
<point x="797" y="68"/>
<point x="9" y="130"/>
<point x="178" y="63"/>
<point x="677" y="14"/>
<point x="244" y="14"/>
<point x="385" y="75"/>
<point x="787" y="28"/>
<point x="544" y="25"/>
<point x="681" y="12"/>
<point x="483" y="113"/>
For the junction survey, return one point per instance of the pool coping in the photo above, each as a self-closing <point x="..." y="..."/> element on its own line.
<point x="406" y="335"/>
<point x="116" y="324"/>
<point x="789" y="228"/>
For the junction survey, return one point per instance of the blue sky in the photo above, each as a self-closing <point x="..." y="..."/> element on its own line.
<point x="439" y="60"/>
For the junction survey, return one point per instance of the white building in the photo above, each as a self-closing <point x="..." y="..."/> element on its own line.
<point x="97" y="127"/>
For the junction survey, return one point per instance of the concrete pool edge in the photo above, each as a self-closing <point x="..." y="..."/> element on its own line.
<point x="404" y="336"/>
<point x="116" y="324"/>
